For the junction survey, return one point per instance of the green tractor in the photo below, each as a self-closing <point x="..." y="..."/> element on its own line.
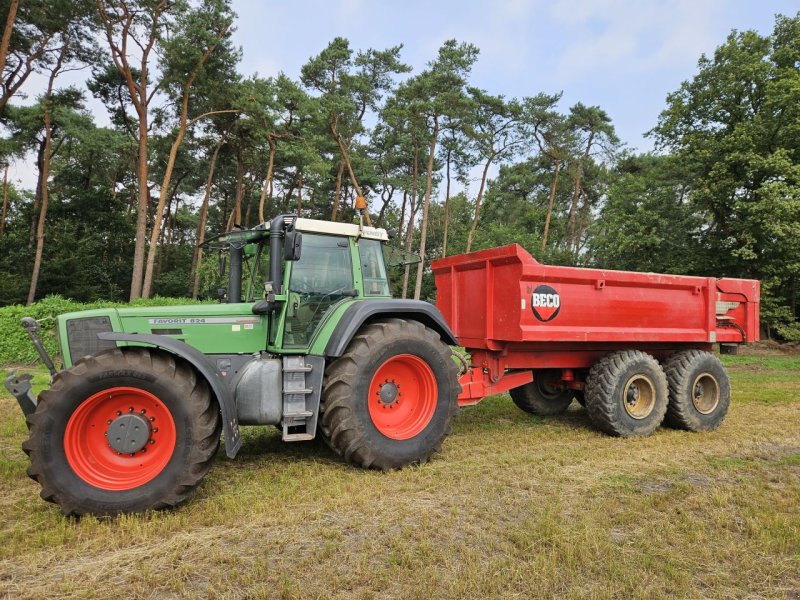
<point x="314" y="345"/>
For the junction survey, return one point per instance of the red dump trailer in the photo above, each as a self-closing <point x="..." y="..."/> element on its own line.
<point x="632" y="347"/>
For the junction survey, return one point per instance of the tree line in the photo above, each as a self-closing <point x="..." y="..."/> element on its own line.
<point x="195" y="146"/>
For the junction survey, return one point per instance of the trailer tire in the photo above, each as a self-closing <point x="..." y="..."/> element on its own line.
<point x="388" y="365"/>
<point x="626" y="394"/>
<point x="77" y="462"/>
<point x="539" y="397"/>
<point x="699" y="391"/>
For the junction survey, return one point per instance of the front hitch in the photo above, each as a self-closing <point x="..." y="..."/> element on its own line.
<point x="20" y="388"/>
<point x="20" y="385"/>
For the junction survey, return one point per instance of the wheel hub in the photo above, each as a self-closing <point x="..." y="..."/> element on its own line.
<point x="388" y="393"/>
<point x="705" y="393"/>
<point x="129" y="432"/>
<point x="639" y="396"/>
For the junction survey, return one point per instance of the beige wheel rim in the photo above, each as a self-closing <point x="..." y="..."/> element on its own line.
<point x="705" y="393"/>
<point x="639" y="396"/>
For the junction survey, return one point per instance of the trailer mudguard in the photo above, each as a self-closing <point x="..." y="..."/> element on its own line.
<point x="227" y="405"/>
<point x="364" y="311"/>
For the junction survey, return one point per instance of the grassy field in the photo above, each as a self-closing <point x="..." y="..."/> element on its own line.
<point x="514" y="507"/>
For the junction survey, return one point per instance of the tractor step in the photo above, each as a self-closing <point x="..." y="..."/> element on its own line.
<point x="301" y="413"/>
<point x="297" y="437"/>
<point x="302" y="383"/>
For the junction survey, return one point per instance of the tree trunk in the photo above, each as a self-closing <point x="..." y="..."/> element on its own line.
<point x="573" y="211"/>
<point x="425" y="208"/>
<point x="9" y="28"/>
<point x="236" y="214"/>
<point x="337" y="193"/>
<point x="267" y="181"/>
<point x="446" y="206"/>
<point x="44" y="175"/>
<point x="141" y="210"/>
<point x="346" y="159"/>
<point x="37" y="195"/>
<point x="299" y="192"/>
<point x="550" y="202"/>
<point x="403" y="214"/>
<point x="411" y="214"/>
<point x="474" y="225"/>
<point x="173" y="153"/>
<point x="582" y="222"/>
<point x="5" y="201"/>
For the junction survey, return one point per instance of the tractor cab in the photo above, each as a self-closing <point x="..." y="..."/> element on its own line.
<point x="296" y="271"/>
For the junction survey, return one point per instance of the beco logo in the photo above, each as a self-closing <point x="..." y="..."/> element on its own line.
<point x="545" y="303"/>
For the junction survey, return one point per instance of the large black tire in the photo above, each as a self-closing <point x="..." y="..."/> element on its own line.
<point x="73" y="460"/>
<point x="699" y="391"/>
<point x="543" y="396"/>
<point x="358" y="405"/>
<point x="626" y="394"/>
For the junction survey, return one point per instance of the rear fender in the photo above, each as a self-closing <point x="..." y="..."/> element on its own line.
<point x="224" y="395"/>
<point x="366" y="311"/>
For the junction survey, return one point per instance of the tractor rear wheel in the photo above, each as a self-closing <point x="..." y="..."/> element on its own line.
<point x="390" y="399"/>
<point x="123" y="431"/>
<point x="543" y="396"/>
<point x="699" y="391"/>
<point x="626" y="393"/>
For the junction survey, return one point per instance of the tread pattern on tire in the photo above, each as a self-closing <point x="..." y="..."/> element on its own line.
<point x="604" y="377"/>
<point x="194" y="391"/>
<point x="528" y="399"/>
<point x="339" y="425"/>
<point x="679" y="410"/>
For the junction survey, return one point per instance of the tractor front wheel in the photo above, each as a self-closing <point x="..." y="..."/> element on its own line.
<point x="122" y="431"/>
<point x="390" y="399"/>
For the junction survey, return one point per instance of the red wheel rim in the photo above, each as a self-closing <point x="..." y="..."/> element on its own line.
<point x="87" y="447"/>
<point x="402" y="397"/>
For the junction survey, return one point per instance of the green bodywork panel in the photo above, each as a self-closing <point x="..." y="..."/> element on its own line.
<point x="211" y="328"/>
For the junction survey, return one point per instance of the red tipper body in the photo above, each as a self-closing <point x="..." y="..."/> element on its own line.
<point x="513" y="313"/>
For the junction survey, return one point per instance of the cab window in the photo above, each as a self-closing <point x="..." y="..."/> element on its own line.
<point x="373" y="268"/>
<point x="322" y="277"/>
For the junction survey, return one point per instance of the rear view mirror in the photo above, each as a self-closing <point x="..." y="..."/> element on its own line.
<point x="292" y="245"/>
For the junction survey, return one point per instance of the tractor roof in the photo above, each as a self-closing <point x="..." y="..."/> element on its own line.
<point x="348" y="229"/>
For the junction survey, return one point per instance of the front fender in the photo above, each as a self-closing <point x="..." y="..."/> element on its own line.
<point x="227" y="405"/>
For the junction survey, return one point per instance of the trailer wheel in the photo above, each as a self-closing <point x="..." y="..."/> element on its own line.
<point x="626" y="394"/>
<point x="122" y="431"/>
<point x="391" y="398"/>
<point x="699" y="391"/>
<point x="544" y="395"/>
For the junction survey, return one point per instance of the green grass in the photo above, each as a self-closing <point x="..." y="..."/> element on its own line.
<point x="513" y="507"/>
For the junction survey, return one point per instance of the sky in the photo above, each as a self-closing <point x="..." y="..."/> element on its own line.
<point x="622" y="55"/>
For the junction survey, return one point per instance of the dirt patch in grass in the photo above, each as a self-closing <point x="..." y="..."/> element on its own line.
<point x="513" y="507"/>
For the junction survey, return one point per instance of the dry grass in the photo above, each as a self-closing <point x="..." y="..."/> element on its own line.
<point x="514" y="507"/>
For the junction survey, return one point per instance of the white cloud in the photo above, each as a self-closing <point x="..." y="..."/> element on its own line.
<point x="631" y="35"/>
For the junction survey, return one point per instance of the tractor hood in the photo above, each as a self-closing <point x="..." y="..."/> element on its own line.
<point x="211" y="328"/>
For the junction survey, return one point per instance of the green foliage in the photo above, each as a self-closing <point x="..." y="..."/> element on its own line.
<point x="733" y="128"/>
<point x="15" y="345"/>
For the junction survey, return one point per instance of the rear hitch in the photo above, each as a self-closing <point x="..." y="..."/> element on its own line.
<point x="20" y="388"/>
